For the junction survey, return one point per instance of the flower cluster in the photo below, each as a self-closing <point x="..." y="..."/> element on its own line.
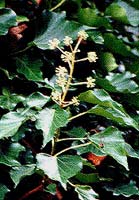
<point x="64" y="77"/>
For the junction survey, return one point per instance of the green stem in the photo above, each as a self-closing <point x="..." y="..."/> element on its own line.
<point x="58" y="5"/>
<point x="73" y="147"/>
<point x="76" y="116"/>
<point x="21" y="51"/>
<point x="67" y="139"/>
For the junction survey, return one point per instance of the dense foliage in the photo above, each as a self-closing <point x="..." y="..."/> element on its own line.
<point x="69" y="105"/>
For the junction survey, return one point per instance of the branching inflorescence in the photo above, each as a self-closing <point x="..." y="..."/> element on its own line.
<point x="64" y="76"/>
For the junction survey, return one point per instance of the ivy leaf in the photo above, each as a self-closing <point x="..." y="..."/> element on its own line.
<point x="116" y="82"/>
<point x="37" y="100"/>
<point x="87" y="178"/>
<point x="9" y="156"/>
<point x="55" y="25"/>
<point x="85" y="192"/>
<point x="9" y="101"/>
<point x="126" y="190"/>
<point x="10" y="123"/>
<point x="107" y="107"/>
<point x="116" y="45"/>
<point x="18" y="173"/>
<point x="3" y="191"/>
<point x="48" y="120"/>
<point x="29" y="67"/>
<point x="114" y="145"/>
<point x="91" y="18"/>
<point x="7" y="20"/>
<point x="108" y="61"/>
<point x="131" y="13"/>
<point x="59" y="168"/>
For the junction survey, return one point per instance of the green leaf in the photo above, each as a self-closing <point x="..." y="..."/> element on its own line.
<point x="20" y="172"/>
<point x="114" y="145"/>
<point x="51" y="188"/>
<point x="10" y="123"/>
<point x="116" y="82"/>
<point x="9" y="156"/>
<point x="3" y="191"/>
<point x="29" y="67"/>
<point x="55" y="25"/>
<point x="131" y="13"/>
<point x="48" y="120"/>
<point x="7" y="20"/>
<point x="116" y="45"/>
<point x="126" y="190"/>
<point x="87" y="178"/>
<point x="85" y="192"/>
<point x="59" y="168"/>
<point x="117" y="12"/>
<point x="37" y="100"/>
<point x="107" y="107"/>
<point x="9" y="101"/>
<point x="108" y="61"/>
<point x="90" y="17"/>
<point x="77" y="132"/>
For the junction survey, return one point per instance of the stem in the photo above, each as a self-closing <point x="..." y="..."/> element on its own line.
<point x="58" y="5"/>
<point x="79" y="115"/>
<point x="80" y="83"/>
<point x="21" y="51"/>
<point x="53" y="146"/>
<point x="77" y="45"/>
<point x="71" y="184"/>
<point x="26" y="195"/>
<point x="73" y="147"/>
<point x="70" y="77"/>
<point x="80" y="60"/>
<point x="67" y="139"/>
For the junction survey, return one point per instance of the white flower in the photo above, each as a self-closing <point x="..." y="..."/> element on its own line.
<point x="61" y="71"/>
<point x="61" y="81"/>
<point x="90" y="82"/>
<point x="56" y="95"/>
<point x="67" y="56"/>
<point x="53" y="43"/>
<point x="82" y="34"/>
<point x="75" y="101"/>
<point x="67" y="40"/>
<point x="92" y="56"/>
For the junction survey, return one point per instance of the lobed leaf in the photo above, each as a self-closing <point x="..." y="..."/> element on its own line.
<point x="29" y="67"/>
<point x="55" y="25"/>
<point x="10" y="123"/>
<point x="85" y="192"/>
<point x="50" y="119"/>
<point x="59" y="168"/>
<point x="107" y="107"/>
<point x="7" y="20"/>
<point x="114" y="145"/>
<point x="116" y="82"/>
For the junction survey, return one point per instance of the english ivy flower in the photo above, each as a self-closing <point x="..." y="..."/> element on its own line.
<point x="61" y="71"/>
<point x="75" y="101"/>
<point x="92" y="56"/>
<point x="82" y="34"/>
<point x="56" y="95"/>
<point x="90" y="82"/>
<point x="67" y="56"/>
<point x="67" y="40"/>
<point x="61" y="81"/>
<point x="53" y="44"/>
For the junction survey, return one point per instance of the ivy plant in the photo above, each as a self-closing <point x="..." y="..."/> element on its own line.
<point x="69" y="91"/>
